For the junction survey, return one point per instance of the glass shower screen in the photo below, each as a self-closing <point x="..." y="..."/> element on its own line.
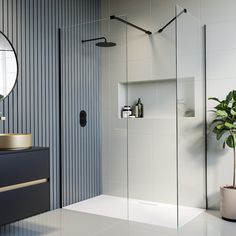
<point x="132" y="134"/>
<point x="190" y="117"/>
<point x="93" y="132"/>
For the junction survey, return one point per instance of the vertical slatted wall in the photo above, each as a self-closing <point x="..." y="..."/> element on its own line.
<point x="80" y="79"/>
<point x="33" y="106"/>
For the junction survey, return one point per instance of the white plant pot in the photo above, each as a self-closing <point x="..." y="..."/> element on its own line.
<point x="228" y="203"/>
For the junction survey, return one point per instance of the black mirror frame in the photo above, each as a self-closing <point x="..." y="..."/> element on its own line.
<point x="17" y="65"/>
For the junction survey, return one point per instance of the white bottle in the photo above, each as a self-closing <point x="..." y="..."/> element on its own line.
<point x="136" y="111"/>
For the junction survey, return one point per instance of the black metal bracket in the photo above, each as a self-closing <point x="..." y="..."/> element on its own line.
<point x="184" y="11"/>
<point x="130" y="24"/>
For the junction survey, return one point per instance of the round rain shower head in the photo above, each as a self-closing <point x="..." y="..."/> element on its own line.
<point x="105" y="44"/>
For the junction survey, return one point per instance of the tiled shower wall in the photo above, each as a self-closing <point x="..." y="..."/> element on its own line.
<point x="33" y="106"/>
<point x="220" y="18"/>
<point x="152" y="140"/>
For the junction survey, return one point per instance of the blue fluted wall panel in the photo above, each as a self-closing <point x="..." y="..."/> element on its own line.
<point x="33" y="106"/>
<point x="81" y="153"/>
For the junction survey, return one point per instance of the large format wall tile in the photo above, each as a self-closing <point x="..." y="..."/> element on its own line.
<point x="151" y="146"/>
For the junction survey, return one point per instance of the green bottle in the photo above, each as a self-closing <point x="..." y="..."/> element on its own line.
<point x="139" y="109"/>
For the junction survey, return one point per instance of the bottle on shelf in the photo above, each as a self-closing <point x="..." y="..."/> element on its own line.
<point x="126" y="112"/>
<point x="139" y="111"/>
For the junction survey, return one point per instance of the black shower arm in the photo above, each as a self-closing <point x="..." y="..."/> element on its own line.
<point x="94" y="39"/>
<point x="184" y="11"/>
<point x="128" y="23"/>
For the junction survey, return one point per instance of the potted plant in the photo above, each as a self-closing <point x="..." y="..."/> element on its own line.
<point x="224" y="127"/>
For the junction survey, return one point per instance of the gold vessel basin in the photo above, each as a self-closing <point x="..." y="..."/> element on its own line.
<point x="15" y="141"/>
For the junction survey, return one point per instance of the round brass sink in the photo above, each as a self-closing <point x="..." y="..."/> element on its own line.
<point x="15" y="141"/>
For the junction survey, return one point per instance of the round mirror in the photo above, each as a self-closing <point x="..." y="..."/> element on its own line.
<point x="8" y="66"/>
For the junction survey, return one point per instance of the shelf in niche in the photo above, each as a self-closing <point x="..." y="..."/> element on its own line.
<point x="158" y="97"/>
<point x="159" y="118"/>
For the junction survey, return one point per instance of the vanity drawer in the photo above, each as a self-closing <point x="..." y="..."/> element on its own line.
<point x="23" y="167"/>
<point x="24" y="202"/>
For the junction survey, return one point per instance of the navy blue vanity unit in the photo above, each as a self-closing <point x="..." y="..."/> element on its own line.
<point x="24" y="183"/>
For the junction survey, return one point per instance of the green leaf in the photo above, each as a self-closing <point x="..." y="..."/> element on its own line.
<point x="229" y="97"/>
<point x="224" y="145"/>
<point x="217" y="120"/>
<point x="218" y="131"/>
<point x="230" y="141"/>
<point x="222" y="106"/>
<point x="221" y="113"/>
<point x="230" y="125"/>
<point x="234" y="95"/>
<point x="212" y="111"/>
<point x="220" y="134"/>
<point x="220" y="126"/>
<point x="233" y="112"/>
<point x="225" y="120"/>
<point x="215" y="131"/>
<point x="215" y="99"/>
<point x="234" y="105"/>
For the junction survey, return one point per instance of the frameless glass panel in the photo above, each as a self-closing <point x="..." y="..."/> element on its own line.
<point x="152" y="132"/>
<point x="94" y="137"/>
<point x="190" y="104"/>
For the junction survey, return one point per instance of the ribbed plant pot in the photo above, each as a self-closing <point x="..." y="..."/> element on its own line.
<point x="228" y="203"/>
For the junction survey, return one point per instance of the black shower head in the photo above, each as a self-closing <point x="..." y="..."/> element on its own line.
<point x="105" y="44"/>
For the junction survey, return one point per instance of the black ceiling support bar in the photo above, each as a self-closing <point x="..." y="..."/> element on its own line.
<point x="128" y="23"/>
<point x="184" y="11"/>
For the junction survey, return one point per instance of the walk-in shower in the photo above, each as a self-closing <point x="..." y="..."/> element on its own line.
<point x="149" y="169"/>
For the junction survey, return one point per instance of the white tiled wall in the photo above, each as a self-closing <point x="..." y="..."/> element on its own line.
<point x="152" y="144"/>
<point x="221" y="74"/>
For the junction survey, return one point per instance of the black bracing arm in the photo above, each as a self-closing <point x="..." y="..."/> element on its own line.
<point x="184" y="11"/>
<point x="128" y="23"/>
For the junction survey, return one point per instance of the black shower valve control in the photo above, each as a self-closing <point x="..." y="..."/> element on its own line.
<point x="83" y="118"/>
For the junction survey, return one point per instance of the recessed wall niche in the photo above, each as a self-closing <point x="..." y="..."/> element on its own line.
<point x="159" y="97"/>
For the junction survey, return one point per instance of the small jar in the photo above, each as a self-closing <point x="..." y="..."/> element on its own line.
<point x="126" y="111"/>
